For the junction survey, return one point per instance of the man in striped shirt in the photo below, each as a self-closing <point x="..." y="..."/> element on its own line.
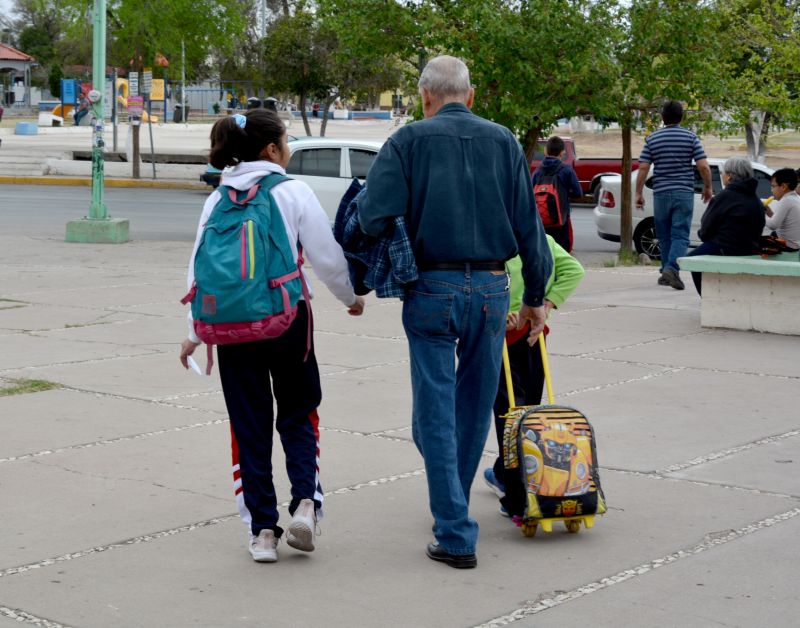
<point x="671" y="150"/>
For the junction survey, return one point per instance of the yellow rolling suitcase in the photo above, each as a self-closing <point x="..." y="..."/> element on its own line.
<point x="554" y="449"/>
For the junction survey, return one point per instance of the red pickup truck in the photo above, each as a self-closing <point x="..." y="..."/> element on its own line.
<point x="589" y="170"/>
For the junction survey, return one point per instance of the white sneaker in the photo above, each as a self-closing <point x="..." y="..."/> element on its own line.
<point x="300" y="534"/>
<point x="264" y="547"/>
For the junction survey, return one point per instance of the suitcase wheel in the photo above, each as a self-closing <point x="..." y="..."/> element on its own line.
<point x="529" y="529"/>
<point x="573" y="525"/>
<point x="547" y="525"/>
<point x="588" y="521"/>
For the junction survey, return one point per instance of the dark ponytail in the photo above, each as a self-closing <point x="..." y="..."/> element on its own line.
<point x="232" y="144"/>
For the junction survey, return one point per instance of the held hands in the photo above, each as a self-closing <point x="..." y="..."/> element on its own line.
<point x="187" y="349"/>
<point x="537" y="317"/>
<point x="357" y="309"/>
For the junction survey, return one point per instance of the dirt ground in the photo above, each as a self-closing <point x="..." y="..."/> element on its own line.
<point x="783" y="148"/>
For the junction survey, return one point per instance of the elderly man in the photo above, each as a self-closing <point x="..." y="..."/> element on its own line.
<point x="463" y="186"/>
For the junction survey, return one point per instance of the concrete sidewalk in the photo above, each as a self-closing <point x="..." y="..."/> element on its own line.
<point x="117" y="504"/>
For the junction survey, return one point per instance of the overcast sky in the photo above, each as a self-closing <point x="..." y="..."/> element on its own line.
<point x="5" y="7"/>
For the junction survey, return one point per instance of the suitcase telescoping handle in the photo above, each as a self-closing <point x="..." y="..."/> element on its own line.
<point x="545" y="366"/>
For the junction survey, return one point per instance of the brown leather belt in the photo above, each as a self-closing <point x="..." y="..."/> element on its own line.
<point x="465" y="266"/>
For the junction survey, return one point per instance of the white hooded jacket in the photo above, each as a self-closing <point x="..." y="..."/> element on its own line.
<point x="305" y="221"/>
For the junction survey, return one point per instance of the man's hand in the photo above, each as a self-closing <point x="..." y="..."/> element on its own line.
<point x="548" y="305"/>
<point x="707" y="193"/>
<point x="537" y="317"/>
<point x="640" y="201"/>
<point x="187" y="349"/>
<point x="357" y="309"/>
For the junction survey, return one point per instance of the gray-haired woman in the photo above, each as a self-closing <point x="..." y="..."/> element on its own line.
<point x="733" y="222"/>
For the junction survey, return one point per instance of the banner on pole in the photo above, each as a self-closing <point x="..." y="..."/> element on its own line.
<point x="157" y="90"/>
<point x="135" y="106"/>
<point x="147" y="82"/>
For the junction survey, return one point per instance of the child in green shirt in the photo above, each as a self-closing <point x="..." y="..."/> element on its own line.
<point x="527" y="372"/>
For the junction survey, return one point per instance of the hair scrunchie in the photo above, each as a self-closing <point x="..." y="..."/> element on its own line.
<point x="240" y="120"/>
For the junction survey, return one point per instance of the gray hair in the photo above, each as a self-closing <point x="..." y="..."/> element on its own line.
<point x="445" y="76"/>
<point x="738" y="168"/>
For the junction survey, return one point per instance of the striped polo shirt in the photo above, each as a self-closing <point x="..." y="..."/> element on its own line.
<point x="671" y="151"/>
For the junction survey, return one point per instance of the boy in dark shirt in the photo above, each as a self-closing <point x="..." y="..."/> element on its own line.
<point x="568" y="186"/>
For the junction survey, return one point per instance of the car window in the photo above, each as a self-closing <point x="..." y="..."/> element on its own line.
<point x="360" y="161"/>
<point x="764" y="189"/>
<point x="316" y="162"/>
<point x="716" y="181"/>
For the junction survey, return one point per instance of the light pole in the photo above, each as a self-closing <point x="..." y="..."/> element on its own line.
<point x="98" y="226"/>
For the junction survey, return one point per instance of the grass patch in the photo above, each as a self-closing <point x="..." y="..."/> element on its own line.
<point x="623" y="258"/>
<point x="23" y="386"/>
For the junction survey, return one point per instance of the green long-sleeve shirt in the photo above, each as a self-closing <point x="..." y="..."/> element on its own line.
<point x="567" y="274"/>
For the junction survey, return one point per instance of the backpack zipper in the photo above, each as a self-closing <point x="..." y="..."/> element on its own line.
<point x="243" y="257"/>
<point x="252" y="249"/>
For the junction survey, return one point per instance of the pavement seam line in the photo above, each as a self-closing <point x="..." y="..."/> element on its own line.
<point x="23" y="617"/>
<point x="644" y="343"/>
<point x="538" y="606"/>
<point x="146" y="538"/>
<point x="724" y="453"/>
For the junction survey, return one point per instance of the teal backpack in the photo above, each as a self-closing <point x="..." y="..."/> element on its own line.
<point x="246" y="280"/>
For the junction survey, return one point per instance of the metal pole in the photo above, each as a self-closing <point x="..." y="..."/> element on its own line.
<point x="98" y="210"/>
<point x="183" y="84"/>
<point x="150" y="126"/>
<point x="114" y="105"/>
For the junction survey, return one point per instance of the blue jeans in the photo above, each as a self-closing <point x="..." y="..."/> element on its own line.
<point x="672" y="213"/>
<point x="451" y="314"/>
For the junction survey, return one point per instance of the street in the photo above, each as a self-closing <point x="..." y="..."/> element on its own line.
<point x="164" y="215"/>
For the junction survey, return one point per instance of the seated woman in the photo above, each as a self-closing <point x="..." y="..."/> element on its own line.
<point x="783" y="214"/>
<point x="734" y="219"/>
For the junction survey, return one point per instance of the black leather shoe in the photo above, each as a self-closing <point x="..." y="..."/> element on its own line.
<point x="459" y="561"/>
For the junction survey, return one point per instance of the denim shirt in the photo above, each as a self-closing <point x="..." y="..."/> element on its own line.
<point x="463" y="185"/>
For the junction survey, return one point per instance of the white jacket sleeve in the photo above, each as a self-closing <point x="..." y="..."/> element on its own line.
<point x="322" y="251"/>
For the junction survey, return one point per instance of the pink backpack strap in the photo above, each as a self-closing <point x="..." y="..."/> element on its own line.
<point x="251" y="193"/>
<point x="307" y="297"/>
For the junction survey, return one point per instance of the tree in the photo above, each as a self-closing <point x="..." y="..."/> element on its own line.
<point x="761" y="52"/>
<point x="532" y="61"/>
<point x="298" y="58"/>
<point x="661" y="51"/>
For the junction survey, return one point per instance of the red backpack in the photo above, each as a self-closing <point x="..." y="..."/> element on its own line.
<point x="548" y="200"/>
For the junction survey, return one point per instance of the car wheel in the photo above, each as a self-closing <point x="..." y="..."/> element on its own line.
<point x="645" y="240"/>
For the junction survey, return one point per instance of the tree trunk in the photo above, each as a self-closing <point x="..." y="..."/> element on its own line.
<point x="625" y="222"/>
<point x="530" y="141"/>
<point x="304" y="113"/>
<point x="325" y="109"/>
<point x="756" y="134"/>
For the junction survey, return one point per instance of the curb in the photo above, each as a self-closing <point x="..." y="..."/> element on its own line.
<point x="109" y="183"/>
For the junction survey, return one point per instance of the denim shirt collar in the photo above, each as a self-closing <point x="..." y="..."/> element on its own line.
<point x="453" y="107"/>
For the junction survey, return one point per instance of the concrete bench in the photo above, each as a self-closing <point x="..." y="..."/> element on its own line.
<point x="749" y="292"/>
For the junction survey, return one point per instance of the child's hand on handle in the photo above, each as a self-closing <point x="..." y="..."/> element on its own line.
<point x="187" y="349"/>
<point x="537" y="317"/>
<point x="357" y="309"/>
<point x="511" y="320"/>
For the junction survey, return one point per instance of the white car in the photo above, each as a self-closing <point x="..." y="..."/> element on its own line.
<point x="326" y="164"/>
<point x="329" y="164"/>
<point x="606" y="214"/>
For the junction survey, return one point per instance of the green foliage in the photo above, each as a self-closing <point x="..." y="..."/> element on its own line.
<point x="761" y="56"/>
<point x="23" y="386"/>
<point x="54" y="80"/>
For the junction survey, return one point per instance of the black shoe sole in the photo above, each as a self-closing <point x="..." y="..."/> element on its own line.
<point x="468" y="561"/>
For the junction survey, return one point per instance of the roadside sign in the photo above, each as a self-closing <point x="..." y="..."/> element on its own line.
<point x="147" y="81"/>
<point x="157" y="90"/>
<point x="133" y="83"/>
<point x="108" y="97"/>
<point x="135" y="105"/>
<point x="69" y="91"/>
